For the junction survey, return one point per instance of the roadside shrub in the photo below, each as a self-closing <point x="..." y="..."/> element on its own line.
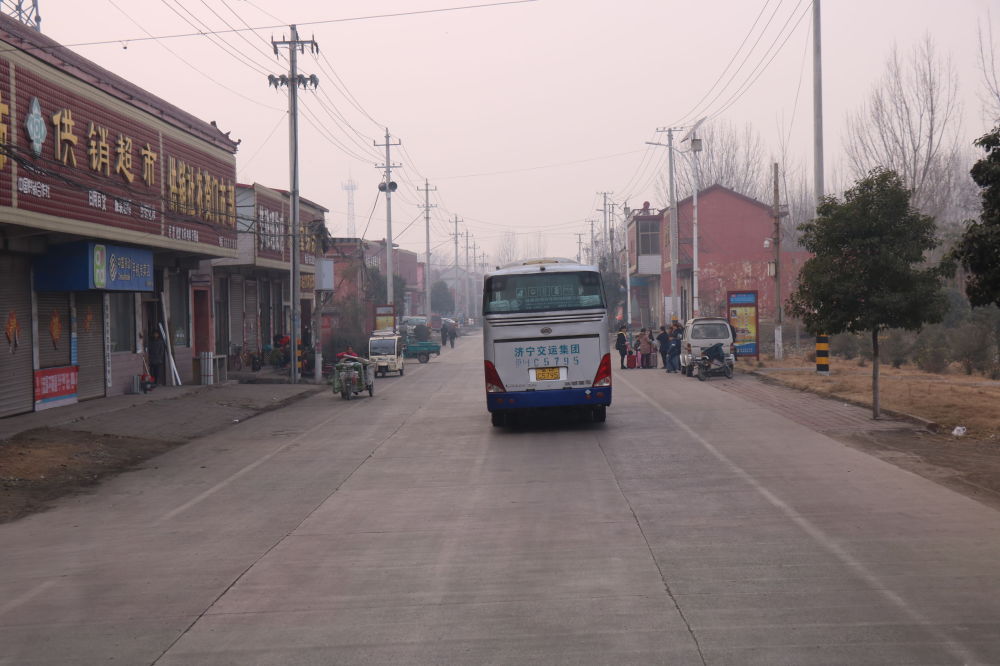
<point x="930" y="351"/>
<point x="897" y="347"/>
<point x="972" y="348"/>
<point x="844" y="345"/>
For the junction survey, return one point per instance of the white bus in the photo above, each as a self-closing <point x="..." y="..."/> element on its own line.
<point x="545" y="339"/>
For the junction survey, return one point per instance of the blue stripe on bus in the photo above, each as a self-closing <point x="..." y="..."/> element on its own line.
<point x="552" y="398"/>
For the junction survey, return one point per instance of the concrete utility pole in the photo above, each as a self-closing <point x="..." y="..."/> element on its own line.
<point x="628" y="278"/>
<point x="604" y="210"/>
<point x="579" y="247"/>
<point x="457" y="290"/>
<point x="388" y="187"/>
<point x="817" y="104"/>
<point x="468" y="287"/>
<point x="293" y="81"/>
<point x="427" y="237"/>
<point x="674" y="312"/>
<point x="695" y="149"/>
<point x="593" y="248"/>
<point x="778" y="348"/>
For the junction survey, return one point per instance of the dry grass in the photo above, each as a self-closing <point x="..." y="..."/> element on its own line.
<point x="949" y="399"/>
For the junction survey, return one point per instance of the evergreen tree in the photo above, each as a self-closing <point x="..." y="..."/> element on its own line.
<point x="978" y="251"/>
<point x="442" y="302"/>
<point x="868" y="271"/>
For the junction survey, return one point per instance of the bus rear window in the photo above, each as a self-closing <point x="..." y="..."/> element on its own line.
<point x="543" y="291"/>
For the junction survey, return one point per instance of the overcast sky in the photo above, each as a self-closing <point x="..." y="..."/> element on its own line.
<point x="518" y="113"/>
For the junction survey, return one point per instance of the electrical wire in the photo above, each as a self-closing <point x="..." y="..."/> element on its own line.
<point x="201" y="33"/>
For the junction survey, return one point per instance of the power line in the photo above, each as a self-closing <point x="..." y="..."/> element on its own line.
<point x="204" y="33"/>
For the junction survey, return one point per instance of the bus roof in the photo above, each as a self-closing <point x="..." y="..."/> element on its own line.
<point x="555" y="264"/>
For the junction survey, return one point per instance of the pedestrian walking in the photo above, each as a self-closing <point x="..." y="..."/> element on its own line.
<point x="444" y="335"/>
<point x="452" y="334"/>
<point x="621" y="344"/>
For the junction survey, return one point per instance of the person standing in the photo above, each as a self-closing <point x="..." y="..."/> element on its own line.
<point x="157" y="358"/>
<point x="452" y="334"/>
<point x="444" y="334"/>
<point x="663" y="340"/>
<point x="674" y="351"/>
<point x="621" y="344"/>
<point x="645" y="348"/>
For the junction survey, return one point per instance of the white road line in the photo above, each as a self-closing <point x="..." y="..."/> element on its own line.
<point x="957" y="650"/>
<point x="26" y="597"/>
<point x="249" y="468"/>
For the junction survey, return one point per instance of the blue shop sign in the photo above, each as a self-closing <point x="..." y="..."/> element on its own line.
<point x="89" y="265"/>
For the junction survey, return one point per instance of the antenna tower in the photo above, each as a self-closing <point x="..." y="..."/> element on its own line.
<point x="24" y="11"/>
<point x="350" y="186"/>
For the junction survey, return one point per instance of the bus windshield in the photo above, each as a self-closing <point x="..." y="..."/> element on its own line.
<point x="543" y="292"/>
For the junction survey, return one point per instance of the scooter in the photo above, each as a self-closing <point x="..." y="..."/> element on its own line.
<point x="713" y="363"/>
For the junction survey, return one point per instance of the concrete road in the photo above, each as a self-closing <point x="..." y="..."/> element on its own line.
<point x="696" y="526"/>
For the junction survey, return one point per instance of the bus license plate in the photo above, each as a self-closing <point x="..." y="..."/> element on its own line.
<point x="546" y="373"/>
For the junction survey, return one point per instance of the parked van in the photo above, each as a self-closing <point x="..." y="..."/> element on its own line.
<point x="701" y="333"/>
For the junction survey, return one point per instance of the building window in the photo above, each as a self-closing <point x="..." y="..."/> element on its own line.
<point x="179" y="308"/>
<point x="122" y="321"/>
<point x="649" y="237"/>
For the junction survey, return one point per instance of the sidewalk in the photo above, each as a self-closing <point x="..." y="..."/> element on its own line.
<point x="174" y="413"/>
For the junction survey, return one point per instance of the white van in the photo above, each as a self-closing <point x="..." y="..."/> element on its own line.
<point x="701" y="333"/>
<point x="385" y="350"/>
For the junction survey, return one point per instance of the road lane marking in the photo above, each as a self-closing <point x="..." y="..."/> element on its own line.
<point x="26" y="597"/>
<point x="848" y="560"/>
<point x="255" y="464"/>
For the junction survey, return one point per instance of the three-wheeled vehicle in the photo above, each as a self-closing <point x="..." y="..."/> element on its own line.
<point x="352" y="375"/>
<point x="385" y="350"/>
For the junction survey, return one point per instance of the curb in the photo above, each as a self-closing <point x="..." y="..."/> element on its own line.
<point x="927" y="424"/>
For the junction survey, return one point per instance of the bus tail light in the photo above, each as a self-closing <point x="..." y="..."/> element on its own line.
<point x="603" y="376"/>
<point x="493" y="383"/>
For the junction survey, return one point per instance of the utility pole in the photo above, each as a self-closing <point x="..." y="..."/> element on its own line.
<point x="579" y="246"/>
<point x="293" y="81"/>
<point x="778" y="350"/>
<point x="817" y="104"/>
<point x="613" y="262"/>
<point x="628" y="278"/>
<point x="593" y="250"/>
<point x="456" y="234"/>
<point x="604" y="209"/>
<point x="673" y="228"/>
<point x="427" y="237"/>
<point x="388" y="187"/>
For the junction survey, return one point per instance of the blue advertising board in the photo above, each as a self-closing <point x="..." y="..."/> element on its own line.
<point x="89" y="265"/>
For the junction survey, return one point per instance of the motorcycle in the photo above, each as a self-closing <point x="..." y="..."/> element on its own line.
<point x="714" y="363"/>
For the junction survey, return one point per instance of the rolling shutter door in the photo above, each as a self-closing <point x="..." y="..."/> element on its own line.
<point x="236" y="310"/>
<point x="17" y="390"/>
<point x="53" y="329"/>
<point x="90" y="343"/>
<point x="251" y="316"/>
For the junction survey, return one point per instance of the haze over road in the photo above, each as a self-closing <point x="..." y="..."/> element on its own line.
<point x="694" y="527"/>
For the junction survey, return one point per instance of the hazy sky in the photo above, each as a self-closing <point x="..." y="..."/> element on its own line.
<point x="519" y="113"/>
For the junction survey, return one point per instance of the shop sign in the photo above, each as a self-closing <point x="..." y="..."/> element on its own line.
<point x="307" y="282"/>
<point x="743" y="316"/>
<point x="55" y="387"/>
<point x="89" y="160"/>
<point x="87" y="265"/>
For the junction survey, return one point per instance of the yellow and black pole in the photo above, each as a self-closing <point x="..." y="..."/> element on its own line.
<point x="822" y="354"/>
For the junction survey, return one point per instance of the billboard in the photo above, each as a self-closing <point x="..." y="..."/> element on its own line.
<point x="744" y="318"/>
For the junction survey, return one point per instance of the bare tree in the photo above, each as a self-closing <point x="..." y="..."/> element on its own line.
<point x="507" y="250"/>
<point x="910" y="125"/>
<point x="731" y="156"/>
<point x="534" y="245"/>
<point x="987" y="56"/>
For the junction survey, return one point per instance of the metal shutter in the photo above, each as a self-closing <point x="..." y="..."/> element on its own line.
<point x="251" y="316"/>
<point x="90" y="343"/>
<point x="53" y="329"/>
<point x="17" y="390"/>
<point x="266" y="330"/>
<point x="236" y="310"/>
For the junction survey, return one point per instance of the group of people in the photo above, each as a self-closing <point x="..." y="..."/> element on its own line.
<point x="645" y="346"/>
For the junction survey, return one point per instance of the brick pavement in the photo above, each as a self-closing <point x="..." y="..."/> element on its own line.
<point x="820" y="413"/>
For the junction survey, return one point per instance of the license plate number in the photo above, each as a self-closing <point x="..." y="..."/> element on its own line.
<point x="546" y="373"/>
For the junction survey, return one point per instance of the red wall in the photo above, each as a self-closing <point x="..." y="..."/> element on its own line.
<point x="732" y="256"/>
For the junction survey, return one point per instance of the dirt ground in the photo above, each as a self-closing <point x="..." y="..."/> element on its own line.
<point x="39" y="466"/>
<point x="42" y="465"/>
